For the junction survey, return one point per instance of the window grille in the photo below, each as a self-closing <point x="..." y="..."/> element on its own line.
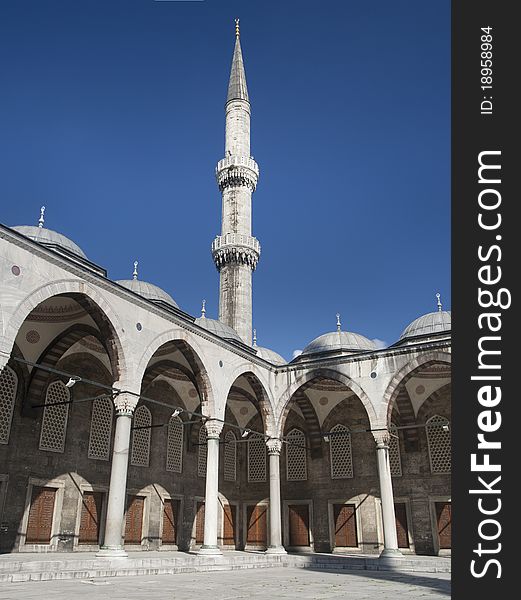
<point x="439" y="444"/>
<point x="340" y="453"/>
<point x="140" y="456"/>
<point x="395" y="459"/>
<point x="101" y="428"/>
<point x="54" y="421"/>
<point x="8" y="386"/>
<point x="256" y="458"/>
<point x="201" y="452"/>
<point x="296" y="464"/>
<point x="174" y="451"/>
<point x="230" y="456"/>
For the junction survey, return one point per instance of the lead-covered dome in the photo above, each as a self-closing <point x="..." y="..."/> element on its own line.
<point x="270" y="355"/>
<point x="50" y="238"/>
<point x="218" y="328"/>
<point x="346" y="341"/>
<point x="430" y="324"/>
<point x="148" y="291"/>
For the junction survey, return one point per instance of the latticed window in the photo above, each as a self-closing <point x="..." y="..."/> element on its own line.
<point x="296" y="464"/>
<point x="230" y="456"/>
<point x="439" y="444"/>
<point x="395" y="460"/>
<point x="256" y="458"/>
<point x="101" y="428"/>
<point x="201" y="452"/>
<point x="340" y="454"/>
<point x="140" y="456"/>
<point x="8" y="385"/>
<point x="174" y="450"/>
<point x="54" y="421"/>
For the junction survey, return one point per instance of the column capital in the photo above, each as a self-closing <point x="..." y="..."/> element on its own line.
<point x="382" y="438"/>
<point x="213" y="428"/>
<point x="125" y="404"/>
<point x="274" y="446"/>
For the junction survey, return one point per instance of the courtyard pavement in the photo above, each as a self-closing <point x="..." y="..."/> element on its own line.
<point x="286" y="583"/>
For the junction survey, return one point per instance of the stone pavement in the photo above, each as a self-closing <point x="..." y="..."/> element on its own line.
<point x="286" y="583"/>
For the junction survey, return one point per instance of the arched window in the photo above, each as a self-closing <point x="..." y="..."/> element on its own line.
<point x="438" y="442"/>
<point x="201" y="452"/>
<point x="230" y="456"/>
<point x="174" y="449"/>
<point x="140" y="456"/>
<point x="101" y="428"/>
<point x="296" y="463"/>
<point x="340" y="454"/>
<point x="54" y="421"/>
<point x="8" y="386"/>
<point x="395" y="459"/>
<point x="256" y="458"/>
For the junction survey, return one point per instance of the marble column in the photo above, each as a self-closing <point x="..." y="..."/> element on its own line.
<point x="275" y="541"/>
<point x="386" y="494"/>
<point x="113" y="543"/>
<point x="211" y="503"/>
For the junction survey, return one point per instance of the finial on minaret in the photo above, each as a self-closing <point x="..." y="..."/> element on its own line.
<point x="237" y="28"/>
<point x="438" y="296"/>
<point x="203" y="310"/>
<point x="134" y="274"/>
<point x="338" y="323"/>
<point x="41" y="220"/>
<point x="254" y="338"/>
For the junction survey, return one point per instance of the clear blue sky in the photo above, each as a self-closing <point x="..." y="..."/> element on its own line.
<point x="112" y="115"/>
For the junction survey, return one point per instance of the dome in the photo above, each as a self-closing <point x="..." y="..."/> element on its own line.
<point x="51" y="238"/>
<point x="429" y="324"/>
<point x="339" y="340"/>
<point x="148" y="291"/>
<point x="219" y="328"/>
<point x="270" y="355"/>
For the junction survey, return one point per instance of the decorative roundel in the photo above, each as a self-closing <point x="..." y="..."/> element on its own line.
<point x="420" y="389"/>
<point x="244" y="410"/>
<point x="192" y="393"/>
<point x="373" y="375"/>
<point x="15" y="270"/>
<point x="139" y="327"/>
<point x="220" y="363"/>
<point x="323" y="401"/>
<point x="32" y="336"/>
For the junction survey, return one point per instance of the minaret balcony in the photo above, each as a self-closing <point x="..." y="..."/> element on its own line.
<point x="236" y="171"/>
<point x="236" y="248"/>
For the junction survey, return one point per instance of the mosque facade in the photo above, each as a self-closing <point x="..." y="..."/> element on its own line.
<point x="127" y="424"/>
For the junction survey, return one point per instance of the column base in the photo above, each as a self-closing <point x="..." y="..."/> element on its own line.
<point x="391" y="553"/>
<point x="276" y="550"/>
<point x="111" y="552"/>
<point x="209" y="551"/>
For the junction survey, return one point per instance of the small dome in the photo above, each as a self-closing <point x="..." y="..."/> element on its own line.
<point x="148" y="291"/>
<point x="429" y="324"/>
<point x="219" y="328"/>
<point x="270" y="355"/>
<point x="51" y="238"/>
<point x="339" y="340"/>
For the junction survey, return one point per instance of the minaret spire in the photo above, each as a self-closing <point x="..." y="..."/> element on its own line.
<point x="236" y="252"/>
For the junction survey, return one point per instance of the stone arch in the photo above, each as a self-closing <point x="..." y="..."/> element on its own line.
<point x="262" y="396"/>
<point x="192" y="352"/>
<point x="98" y="306"/>
<point x="306" y="381"/>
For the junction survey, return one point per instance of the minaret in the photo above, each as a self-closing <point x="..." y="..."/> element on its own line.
<point x="236" y="252"/>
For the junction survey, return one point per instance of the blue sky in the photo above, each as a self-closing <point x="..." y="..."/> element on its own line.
<point x="112" y="116"/>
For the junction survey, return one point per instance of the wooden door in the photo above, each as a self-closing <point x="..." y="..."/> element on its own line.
<point x="444" y="517"/>
<point x="346" y="535"/>
<point x="402" y="530"/>
<point x="199" y="523"/>
<point x="170" y="516"/>
<point x="298" y="524"/>
<point x="134" y="520"/>
<point x="90" y="520"/>
<point x="257" y="525"/>
<point x="41" y="511"/>
<point x="230" y="519"/>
